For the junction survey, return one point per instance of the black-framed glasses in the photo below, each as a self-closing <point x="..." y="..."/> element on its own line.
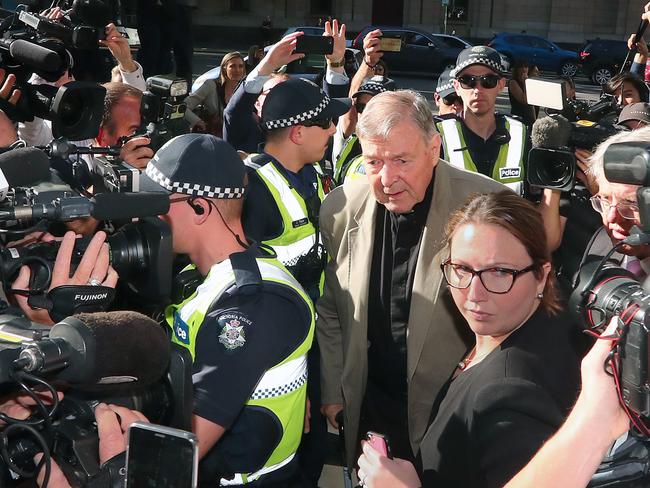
<point x="486" y="81"/>
<point x="629" y="211"/>
<point x="360" y="107"/>
<point x="452" y="99"/>
<point x="495" y="280"/>
<point x="322" y="123"/>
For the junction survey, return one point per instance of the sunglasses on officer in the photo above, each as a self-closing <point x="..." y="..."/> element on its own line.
<point x="470" y="81"/>
<point x="359" y="107"/>
<point x="322" y="123"/>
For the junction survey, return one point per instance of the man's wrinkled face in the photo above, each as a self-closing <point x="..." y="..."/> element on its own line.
<point x="400" y="168"/>
<point x="620" y="212"/>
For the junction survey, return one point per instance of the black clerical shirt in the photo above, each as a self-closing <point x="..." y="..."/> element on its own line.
<point x="396" y="246"/>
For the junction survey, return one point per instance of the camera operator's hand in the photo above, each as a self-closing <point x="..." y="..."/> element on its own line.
<point x="94" y="268"/>
<point x="8" y="91"/>
<point x="372" y="52"/>
<point x="112" y="423"/>
<point x="20" y="406"/>
<point x="136" y="152"/>
<point x="281" y="53"/>
<point x="639" y="44"/>
<point x="338" y="33"/>
<point x="583" y="162"/>
<point x="119" y="47"/>
<point x="54" y="13"/>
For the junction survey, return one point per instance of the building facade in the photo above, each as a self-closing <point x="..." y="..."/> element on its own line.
<point x="558" y="20"/>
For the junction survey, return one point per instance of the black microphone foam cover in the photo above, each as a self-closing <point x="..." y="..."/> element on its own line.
<point x="35" y="56"/>
<point x="551" y="132"/>
<point x="122" y="206"/>
<point x="129" y="348"/>
<point x="24" y="166"/>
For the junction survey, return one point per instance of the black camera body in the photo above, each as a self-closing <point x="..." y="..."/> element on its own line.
<point x="72" y="432"/>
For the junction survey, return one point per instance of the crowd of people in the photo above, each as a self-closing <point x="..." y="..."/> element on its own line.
<point x="365" y="263"/>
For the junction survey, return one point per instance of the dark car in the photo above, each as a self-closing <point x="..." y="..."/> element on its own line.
<point x="600" y="59"/>
<point x="541" y="52"/>
<point x="421" y="53"/>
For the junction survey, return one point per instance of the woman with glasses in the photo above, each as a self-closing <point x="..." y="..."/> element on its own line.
<point x="514" y="387"/>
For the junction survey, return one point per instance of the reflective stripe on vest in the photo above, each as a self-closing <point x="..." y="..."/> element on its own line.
<point x="282" y="389"/>
<point x="510" y="163"/>
<point x="356" y="170"/>
<point x="298" y="233"/>
<point x="341" y="166"/>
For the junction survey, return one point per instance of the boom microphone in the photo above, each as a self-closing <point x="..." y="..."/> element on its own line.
<point x="91" y="349"/>
<point x="124" y="206"/>
<point x="22" y="167"/>
<point x="32" y="55"/>
<point x="550" y="163"/>
<point x="551" y="132"/>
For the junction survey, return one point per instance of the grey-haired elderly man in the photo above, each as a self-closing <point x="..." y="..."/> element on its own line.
<point x="389" y="341"/>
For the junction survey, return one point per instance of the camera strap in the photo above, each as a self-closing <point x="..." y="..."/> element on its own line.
<point x="66" y="300"/>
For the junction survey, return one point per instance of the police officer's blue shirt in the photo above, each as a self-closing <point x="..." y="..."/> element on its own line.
<point x="225" y="373"/>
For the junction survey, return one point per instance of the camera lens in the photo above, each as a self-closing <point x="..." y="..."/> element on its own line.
<point x="554" y="172"/>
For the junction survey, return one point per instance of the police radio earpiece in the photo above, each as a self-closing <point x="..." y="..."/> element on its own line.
<point x="198" y="209"/>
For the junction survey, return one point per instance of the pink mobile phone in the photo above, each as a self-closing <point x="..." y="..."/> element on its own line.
<point x="380" y="443"/>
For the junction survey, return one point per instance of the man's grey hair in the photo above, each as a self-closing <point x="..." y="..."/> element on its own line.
<point x="387" y="110"/>
<point x="597" y="160"/>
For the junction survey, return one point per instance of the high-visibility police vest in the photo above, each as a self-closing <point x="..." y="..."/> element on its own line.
<point x="298" y="232"/>
<point x="282" y="389"/>
<point x="510" y="163"/>
<point x="349" y="166"/>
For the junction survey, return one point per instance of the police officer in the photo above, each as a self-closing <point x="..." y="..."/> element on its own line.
<point x="349" y="163"/>
<point x="248" y="325"/>
<point x="286" y="189"/>
<point x="445" y="96"/>
<point x="282" y="207"/>
<point x="478" y="139"/>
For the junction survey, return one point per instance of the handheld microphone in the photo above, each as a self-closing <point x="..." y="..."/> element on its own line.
<point x="104" y="348"/>
<point x="22" y="167"/>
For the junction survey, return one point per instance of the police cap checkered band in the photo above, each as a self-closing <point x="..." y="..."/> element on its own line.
<point x="298" y="118"/>
<point x="298" y="100"/>
<point x="200" y="165"/>
<point x="192" y="189"/>
<point x="371" y="88"/>
<point x="478" y="55"/>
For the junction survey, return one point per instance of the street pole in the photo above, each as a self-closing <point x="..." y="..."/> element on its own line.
<point x="446" y="7"/>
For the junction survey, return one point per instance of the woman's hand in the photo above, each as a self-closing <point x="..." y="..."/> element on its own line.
<point x="377" y="471"/>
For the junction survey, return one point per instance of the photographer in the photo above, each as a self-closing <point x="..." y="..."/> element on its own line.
<point x="39" y="132"/>
<point x="617" y="205"/>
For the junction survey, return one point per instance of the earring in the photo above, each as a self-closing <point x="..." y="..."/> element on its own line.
<point x="540" y="296"/>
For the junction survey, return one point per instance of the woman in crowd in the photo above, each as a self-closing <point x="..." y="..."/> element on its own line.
<point x="255" y="55"/>
<point x="517" y="93"/>
<point x="512" y="390"/>
<point x="205" y="106"/>
<point x="628" y="88"/>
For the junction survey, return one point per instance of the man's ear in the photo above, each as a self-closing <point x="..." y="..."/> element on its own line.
<point x="297" y="134"/>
